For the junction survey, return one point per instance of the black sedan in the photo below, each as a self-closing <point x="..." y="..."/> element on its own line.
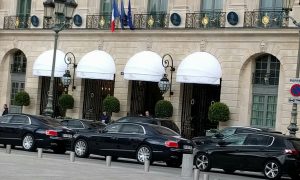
<point x="82" y="126"/>
<point x="134" y="140"/>
<point x="270" y="153"/>
<point x="32" y="131"/>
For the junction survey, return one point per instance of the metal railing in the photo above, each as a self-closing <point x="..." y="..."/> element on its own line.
<point x="102" y="21"/>
<point x="48" y="23"/>
<point x="16" y="22"/>
<point x="265" y="19"/>
<point x="151" y="21"/>
<point x="209" y="19"/>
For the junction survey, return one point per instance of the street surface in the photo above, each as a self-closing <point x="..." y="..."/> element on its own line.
<point x="27" y="166"/>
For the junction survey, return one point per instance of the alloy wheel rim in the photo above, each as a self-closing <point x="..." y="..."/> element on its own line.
<point x="27" y="142"/>
<point x="202" y="162"/>
<point x="80" y="148"/>
<point x="271" y="170"/>
<point x="143" y="153"/>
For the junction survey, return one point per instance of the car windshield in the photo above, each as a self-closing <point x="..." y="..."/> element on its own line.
<point x="48" y="121"/>
<point x="164" y="131"/>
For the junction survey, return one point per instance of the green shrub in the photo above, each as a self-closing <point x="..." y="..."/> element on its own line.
<point x="66" y="101"/>
<point x="22" y="99"/>
<point x="218" y="112"/>
<point x="111" y="104"/>
<point x="163" y="109"/>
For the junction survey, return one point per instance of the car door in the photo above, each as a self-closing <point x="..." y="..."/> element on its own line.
<point x="105" y="143"/>
<point x="14" y="129"/>
<point x="228" y="154"/>
<point x="129" y="138"/>
<point x="4" y="122"/>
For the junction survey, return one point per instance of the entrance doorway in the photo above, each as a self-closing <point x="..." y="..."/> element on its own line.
<point x="144" y="96"/>
<point x="196" y="101"/>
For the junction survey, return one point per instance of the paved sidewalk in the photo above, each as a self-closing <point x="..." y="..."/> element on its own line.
<point x="23" y="167"/>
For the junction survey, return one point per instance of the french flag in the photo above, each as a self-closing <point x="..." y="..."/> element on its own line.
<point x="114" y="15"/>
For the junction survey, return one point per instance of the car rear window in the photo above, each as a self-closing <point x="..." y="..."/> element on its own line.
<point x="296" y="144"/>
<point x="164" y="131"/>
<point x="48" y="121"/>
<point x="170" y="125"/>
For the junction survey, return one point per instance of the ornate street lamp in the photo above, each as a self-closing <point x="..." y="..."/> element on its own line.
<point x="61" y="12"/>
<point x="287" y="6"/>
<point x="164" y="84"/>
<point x="66" y="78"/>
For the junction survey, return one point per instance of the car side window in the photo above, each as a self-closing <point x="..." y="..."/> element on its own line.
<point x="228" y="131"/>
<point x="75" y="124"/>
<point x="244" y="130"/>
<point x="65" y="123"/>
<point x="258" y="140"/>
<point x="114" y="128"/>
<point x="19" y="120"/>
<point x="131" y="128"/>
<point x="5" y="119"/>
<point x="236" y="139"/>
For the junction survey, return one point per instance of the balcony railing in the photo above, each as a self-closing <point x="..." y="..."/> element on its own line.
<point x="209" y="19"/>
<point x="48" y="23"/>
<point x="265" y="19"/>
<point x="17" y="68"/>
<point x="98" y="21"/>
<point x="16" y="22"/>
<point x="151" y="21"/>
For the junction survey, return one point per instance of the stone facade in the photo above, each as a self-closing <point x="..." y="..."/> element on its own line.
<point x="234" y="46"/>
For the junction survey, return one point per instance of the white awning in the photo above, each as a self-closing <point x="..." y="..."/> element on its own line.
<point x="144" y="66"/>
<point x="43" y="64"/>
<point x="199" y="68"/>
<point x="96" y="65"/>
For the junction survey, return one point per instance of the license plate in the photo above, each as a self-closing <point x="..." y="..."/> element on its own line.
<point x="187" y="147"/>
<point x="67" y="135"/>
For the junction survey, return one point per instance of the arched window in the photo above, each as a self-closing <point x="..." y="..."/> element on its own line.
<point x="264" y="91"/>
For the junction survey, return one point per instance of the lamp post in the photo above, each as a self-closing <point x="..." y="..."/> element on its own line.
<point x="164" y="84"/>
<point x="288" y="6"/>
<point x="66" y="78"/>
<point x="61" y="12"/>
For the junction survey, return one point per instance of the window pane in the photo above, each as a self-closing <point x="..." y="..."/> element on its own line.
<point x="75" y="124"/>
<point x="237" y="139"/>
<point x="212" y="5"/>
<point x="155" y="6"/>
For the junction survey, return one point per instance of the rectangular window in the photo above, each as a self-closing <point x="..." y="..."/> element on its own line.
<point x="23" y="7"/>
<point x="212" y="5"/>
<point x="15" y="88"/>
<point x="106" y="6"/>
<point x="157" y="6"/>
<point x="264" y="111"/>
<point x="271" y="5"/>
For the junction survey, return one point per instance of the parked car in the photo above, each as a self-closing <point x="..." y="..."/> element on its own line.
<point x="158" y="121"/>
<point x="82" y="126"/>
<point x="270" y="153"/>
<point x="134" y="140"/>
<point x="218" y="135"/>
<point x="32" y="131"/>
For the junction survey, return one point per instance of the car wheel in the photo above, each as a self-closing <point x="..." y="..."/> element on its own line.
<point x="59" y="150"/>
<point x="81" y="148"/>
<point x="202" y="162"/>
<point x="28" y="142"/>
<point x="143" y="152"/>
<point x="173" y="163"/>
<point x="229" y="171"/>
<point x="272" y="169"/>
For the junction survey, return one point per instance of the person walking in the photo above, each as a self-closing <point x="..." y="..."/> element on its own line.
<point x="104" y="118"/>
<point x="5" y="109"/>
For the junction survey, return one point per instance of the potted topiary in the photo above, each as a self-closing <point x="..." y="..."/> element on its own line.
<point x="65" y="102"/>
<point x="163" y="109"/>
<point x="111" y="104"/>
<point x="22" y="99"/>
<point x="218" y="112"/>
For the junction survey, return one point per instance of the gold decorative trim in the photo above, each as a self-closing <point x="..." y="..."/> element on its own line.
<point x="265" y="20"/>
<point x="205" y="20"/>
<point x="102" y="22"/>
<point x="150" y="21"/>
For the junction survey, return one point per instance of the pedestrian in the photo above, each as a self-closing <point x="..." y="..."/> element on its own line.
<point x="104" y="118"/>
<point x="147" y="114"/>
<point x="5" y="109"/>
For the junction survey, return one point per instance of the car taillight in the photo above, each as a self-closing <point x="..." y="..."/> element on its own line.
<point x="171" y="144"/>
<point x="51" y="133"/>
<point x="291" y="151"/>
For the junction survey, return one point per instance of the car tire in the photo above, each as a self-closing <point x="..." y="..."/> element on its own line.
<point x="202" y="162"/>
<point x="59" y="150"/>
<point x="28" y="142"/>
<point x="229" y="171"/>
<point x="173" y="163"/>
<point x="142" y="153"/>
<point x="81" y="148"/>
<point x="272" y="169"/>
